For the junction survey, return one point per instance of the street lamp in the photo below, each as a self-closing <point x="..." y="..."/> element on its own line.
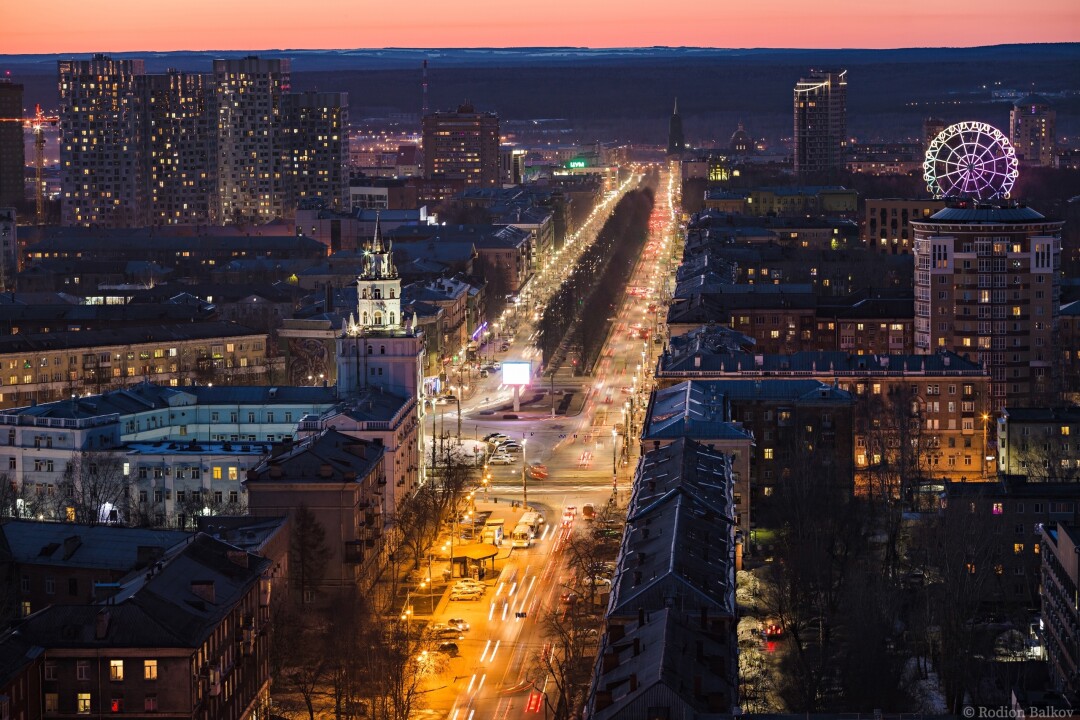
<point x="614" y="465"/>
<point x="985" y="419"/>
<point x="524" y="480"/>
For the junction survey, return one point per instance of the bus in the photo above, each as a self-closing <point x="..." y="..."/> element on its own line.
<point x="522" y="536"/>
<point x="533" y="520"/>
<point x="493" y="531"/>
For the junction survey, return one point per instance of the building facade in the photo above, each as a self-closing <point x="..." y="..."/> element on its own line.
<point x="179" y="149"/>
<point x="12" y="147"/>
<point x="820" y="121"/>
<point x="316" y="142"/>
<point x="1041" y="443"/>
<point x="462" y="145"/>
<point x="987" y="286"/>
<point x="248" y="96"/>
<point x="1033" y="130"/>
<point x="1060" y="614"/>
<point x="102" y="152"/>
<point x="886" y="223"/>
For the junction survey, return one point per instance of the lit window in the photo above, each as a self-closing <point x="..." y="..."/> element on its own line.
<point x="1018" y="548"/>
<point x="768" y="453"/>
<point x="116" y="670"/>
<point x="217" y="473"/>
<point x="998" y="508"/>
<point x="1064" y="429"/>
<point x="82" y="703"/>
<point x="150" y="669"/>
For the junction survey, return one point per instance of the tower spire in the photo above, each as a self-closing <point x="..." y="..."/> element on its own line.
<point x="376" y="242"/>
<point x="676" y="110"/>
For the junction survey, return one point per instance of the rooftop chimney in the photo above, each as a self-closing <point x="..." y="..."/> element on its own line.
<point x="101" y="624"/>
<point x="203" y="589"/>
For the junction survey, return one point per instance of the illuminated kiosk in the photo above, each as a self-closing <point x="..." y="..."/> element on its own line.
<point x="516" y="373"/>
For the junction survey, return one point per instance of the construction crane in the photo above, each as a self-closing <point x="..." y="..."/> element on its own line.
<point x="37" y="124"/>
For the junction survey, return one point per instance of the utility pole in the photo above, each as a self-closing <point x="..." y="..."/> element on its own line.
<point x="524" y="479"/>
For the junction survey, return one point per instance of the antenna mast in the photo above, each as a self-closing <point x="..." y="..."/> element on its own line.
<point x="423" y="87"/>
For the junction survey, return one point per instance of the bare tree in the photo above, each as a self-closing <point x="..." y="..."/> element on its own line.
<point x="308" y="552"/>
<point x="565" y="658"/>
<point x="94" y="488"/>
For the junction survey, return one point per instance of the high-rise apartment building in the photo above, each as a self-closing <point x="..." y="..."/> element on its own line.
<point x="315" y="127"/>
<point x="250" y="151"/>
<point x="180" y="172"/>
<point x="102" y="165"/>
<point x="182" y="148"/>
<point x="1032" y="130"/>
<point x="676" y="141"/>
<point x="462" y="145"/>
<point x="820" y="121"/>
<point x="986" y="286"/>
<point x="12" y="152"/>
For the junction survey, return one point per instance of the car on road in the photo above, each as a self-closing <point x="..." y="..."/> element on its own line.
<point x="496" y="438"/>
<point x="442" y="632"/>
<point x="570" y="510"/>
<point x="500" y="459"/>
<point x="483" y="373"/>
<point x="773" y="631"/>
<point x="568" y="518"/>
<point x="458" y="623"/>
<point x="588" y="512"/>
<point x="510" y="446"/>
<point x="535" y="474"/>
<point x="504" y="348"/>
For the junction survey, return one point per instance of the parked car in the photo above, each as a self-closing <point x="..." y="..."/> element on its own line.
<point x="469" y="584"/>
<point x="495" y="438"/>
<point x="467" y="594"/>
<point x="510" y="446"/>
<point x="458" y="623"/>
<point x="449" y="648"/>
<point x="500" y="459"/>
<point x="483" y="373"/>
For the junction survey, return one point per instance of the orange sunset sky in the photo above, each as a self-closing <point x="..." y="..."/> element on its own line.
<point x="67" y="26"/>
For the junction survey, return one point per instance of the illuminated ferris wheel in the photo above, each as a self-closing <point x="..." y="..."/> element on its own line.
<point x="970" y="159"/>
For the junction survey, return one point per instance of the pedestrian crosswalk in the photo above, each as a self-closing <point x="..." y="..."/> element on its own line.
<point x="552" y="489"/>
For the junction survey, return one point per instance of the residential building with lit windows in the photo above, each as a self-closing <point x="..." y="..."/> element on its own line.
<point x="987" y="286"/>
<point x="42" y="367"/>
<point x="102" y="153"/>
<point x="1006" y="520"/>
<point x="820" y="121"/>
<point x="12" y="145"/>
<point x="886" y="223"/>
<point x="945" y="394"/>
<point x="1033" y="130"/>
<point x="1042" y="443"/>
<point x="315" y="126"/>
<point x="462" y="145"/>
<point x="189" y="638"/>
<point x="49" y="563"/>
<point x="183" y="452"/>
<point x="1060" y="610"/>
<point x="340" y="479"/>
<point x="179" y="155"/>
<point x="250" y="145"/>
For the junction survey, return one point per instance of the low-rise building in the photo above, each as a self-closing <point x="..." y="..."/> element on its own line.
<point x="337" y="482"/>
<point x="886" y="222"/>
<point x="1060" y="580"/>
<point x="1042" y="443"/>
<point x="187" y="639"/>
<point x="1009" y="517"/>
<point x="56" y="365"/>
<point x="946" y="395"/>
<point x="674" y="588"/>
<point x="48" y="563"/>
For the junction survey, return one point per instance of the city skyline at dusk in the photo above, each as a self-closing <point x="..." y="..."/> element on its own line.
<point x="133" y="26"/>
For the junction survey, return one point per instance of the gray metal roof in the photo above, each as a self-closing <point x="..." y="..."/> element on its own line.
<point x="87" y="546"/>
<point x="983" y="214"/>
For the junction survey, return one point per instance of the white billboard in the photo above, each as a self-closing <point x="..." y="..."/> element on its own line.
<point x="516" y="373"/>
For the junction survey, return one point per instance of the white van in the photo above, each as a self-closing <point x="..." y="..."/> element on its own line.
<point x="533" y="520"/>
<point x="522" y="536"/>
